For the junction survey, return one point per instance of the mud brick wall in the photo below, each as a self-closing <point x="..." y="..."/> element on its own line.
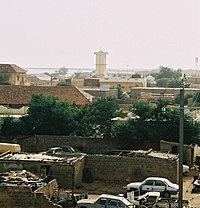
<point x="40" y="143"/>
<point x="123" y="168"/>
<point x="79" y="166"/>
<point x="48" y="189"/>
<point x="23" y="197"/>
<point x="189" y="152"/>
<point x="15" y="196"/>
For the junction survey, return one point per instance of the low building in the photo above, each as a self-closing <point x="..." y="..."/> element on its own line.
<point x="17" y="97"/>
<point x="126" y="84"/>
<point x="157" y="93"/>
<point x="113" y="82"/>
<point x="101" y="92"/>
<point x="14" y="74"/>
<point x="68" y="171"/>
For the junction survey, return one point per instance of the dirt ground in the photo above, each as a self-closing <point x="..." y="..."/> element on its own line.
<point x="99" y="187"/>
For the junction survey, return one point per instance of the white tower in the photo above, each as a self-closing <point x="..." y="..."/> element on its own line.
<point x="101" y="63"/>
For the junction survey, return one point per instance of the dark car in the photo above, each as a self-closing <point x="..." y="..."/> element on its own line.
<point x="63" y="150"/>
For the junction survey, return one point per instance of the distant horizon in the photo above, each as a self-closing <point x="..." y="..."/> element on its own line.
<point x="42" y="70"/>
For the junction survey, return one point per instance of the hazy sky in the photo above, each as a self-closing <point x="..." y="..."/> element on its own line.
<point x="135" y="33"/>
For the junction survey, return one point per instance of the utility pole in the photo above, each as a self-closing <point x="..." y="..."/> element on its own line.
<point x="181" y="136"/>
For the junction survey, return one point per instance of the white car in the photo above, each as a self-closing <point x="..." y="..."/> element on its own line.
<point x="155" y="184"/>
<point x="105" y="200"/>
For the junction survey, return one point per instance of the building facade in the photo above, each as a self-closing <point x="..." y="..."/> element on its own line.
<point x="14" y="74"/>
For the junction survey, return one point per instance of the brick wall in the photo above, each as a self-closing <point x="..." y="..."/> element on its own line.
<point x="23" y="197"/>
<point x="135" y="168"/>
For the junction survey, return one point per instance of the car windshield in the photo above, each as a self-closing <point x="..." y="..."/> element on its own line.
<point x="53" y="150"/>
<point x="68" y="149"/>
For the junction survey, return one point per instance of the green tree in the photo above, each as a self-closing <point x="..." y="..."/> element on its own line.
<point x="96" y="119"/>
<point x="175" y="83"/>
<point x="155" y="122"/>
<point x="3" y="80"/>
<point x="83" y="124"/>
<point x="12" y="127"/>
<point x="196" y="99"/>
<point x="166" y="72"/>
<point x="63" y="84"/>
<point x="48" y="115"/>
<point x="167" y="77"/>
<point x="119" y="91"/>
<point x="136" y="76"/>
<point x="162" y="82"/>
<point x="187" y="96"/>
<point x="62" y="71"/>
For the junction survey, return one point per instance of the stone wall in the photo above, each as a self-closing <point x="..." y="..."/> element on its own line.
<point x="23" y="197"/>
<point x="123" y="168"/>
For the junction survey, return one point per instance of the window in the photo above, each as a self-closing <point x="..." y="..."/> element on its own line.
<point x="113" y="203"/>
<point x="159" y="183"/>
<point x="58" y="150"/>
<point x="50" y="152"/>
<point x="121" y="205"/>
<point x="101" y="201"/>
<point x="149" y="183"/>
<point x="174" y="149"/>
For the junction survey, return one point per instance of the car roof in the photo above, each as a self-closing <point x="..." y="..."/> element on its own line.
<point x="115" y="197"/>
<point x="52" y="148"/>
<point x="157" y="178"/>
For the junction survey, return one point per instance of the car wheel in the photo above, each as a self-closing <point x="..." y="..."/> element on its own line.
<point x="166" y="194"/>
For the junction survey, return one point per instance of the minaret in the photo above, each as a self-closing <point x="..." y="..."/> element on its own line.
<point x="101" y="70"/>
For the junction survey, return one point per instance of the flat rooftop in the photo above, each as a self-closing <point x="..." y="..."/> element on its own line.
<point x="38" y="157"/>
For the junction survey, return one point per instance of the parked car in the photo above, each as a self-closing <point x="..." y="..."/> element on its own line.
<point x="62" y="150"/>
<point x="105" y="200"/>
<point x="155" y="184"/>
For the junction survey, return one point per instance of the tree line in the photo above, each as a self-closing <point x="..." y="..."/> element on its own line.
<point x="150" y="122"/>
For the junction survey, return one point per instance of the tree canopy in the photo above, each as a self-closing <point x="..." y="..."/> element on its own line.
<point x="62" y="71"/>
<point x="3" y="80"/>
<point x="157" y="121"/>
<point x="151" y="122"/>
<point x="50" y="116"/>
<point x="167" y="77"/>
<point x="136" y="75"/>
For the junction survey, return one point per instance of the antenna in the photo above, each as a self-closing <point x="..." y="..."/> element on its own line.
<point x="196" y="63"/>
